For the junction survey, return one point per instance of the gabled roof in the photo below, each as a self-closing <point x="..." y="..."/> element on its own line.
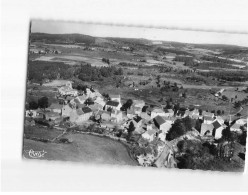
<point x="235" y="126"/>
<point x="204" y="113"/>
<point x="114" y="96"/>
<point x="151" y="132"/>
<point x="56" y="106"/>
<point x="112" y="103"/>
<point x="216" y="124"/>
<point x="86" y="109"/>
<point x="205" y="127"/>
<point x="168" y="111"/>
<point x="159" y="120"/>
<point x="158" y="110"/>
<point x="137" y="119"/>
<point x="208" y="118"/>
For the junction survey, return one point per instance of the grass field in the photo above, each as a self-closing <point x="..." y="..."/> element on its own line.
<point x="84" y="148"/>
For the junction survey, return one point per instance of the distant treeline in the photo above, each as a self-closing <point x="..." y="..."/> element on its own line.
<point x="211" y="65"/>
<point x="169" y="50"/>
<point x="38" y="71"/>
<point x="188" y="61"/>
<point x="239" y="76"/>
<point x="220" y="60"/>
<point x="91" y="73"/>
<point x="41" y="70"/>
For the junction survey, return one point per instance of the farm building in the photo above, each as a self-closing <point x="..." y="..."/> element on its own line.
<point x="138" y="103"/>
<point x="235" y="127"/>
<point x="116" y="116"/>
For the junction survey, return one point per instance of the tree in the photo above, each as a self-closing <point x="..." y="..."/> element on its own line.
<point x="178" y="129"/>
<point x="33" y="105"/>
<point x="218" y="112"/>
<point x="127" y="105"/>
<point x="43" y="102"/>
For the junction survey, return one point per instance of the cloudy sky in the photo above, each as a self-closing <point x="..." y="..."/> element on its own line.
<point x="100" y="30"/>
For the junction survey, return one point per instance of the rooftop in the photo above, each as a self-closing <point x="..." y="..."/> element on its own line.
<point x="159" y="120"/>
<point x="112" y="103"/>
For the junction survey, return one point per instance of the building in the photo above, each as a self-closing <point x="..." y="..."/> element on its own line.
<point x="112" y="105"/>
<point x="52" y="116"/>
<point x="149" y="135"/>
<point x="161" y="124"/>
<point x="207" y="129"/>
<point x="116" y="116"/>
<point x="235" y="127"/>
<point x="138" y="103"/>
<point x="66" y="110"/>
<point x="116" y="98"/>
<point x="208" y="120"/>
<point x="169" y="113"/>
<point x="207" y="114"/>
<point x="105" y="116"/>
<point x="55" y="107"/>
<point x="218" y="128"/>
<point x="80" y="115"/>
<point x="31" y="113"/>
<point x="158" y="112"/>
<point x="66" y="90"/>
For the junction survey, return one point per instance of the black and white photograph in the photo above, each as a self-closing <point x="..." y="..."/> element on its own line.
<point x="124" y="95"/>
<point x="94" y="95"/>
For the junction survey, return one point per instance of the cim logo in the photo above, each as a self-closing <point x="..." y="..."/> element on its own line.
<point x="35" y="154"/>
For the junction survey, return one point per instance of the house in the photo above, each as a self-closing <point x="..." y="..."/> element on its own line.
<point x="67" y="90"/>
<point x="100" y="101"/>
<point x="29" y="122"/>
<point x="31" y="113"/>
<point x="161" y="124"/>
<point x="207" y="114"/>
<point x="218" y="128"/>
<point x="116" y="98"/>
<point x="157" y="111"/>
<point x="241" y="121"/>
<point x="105" y="116"/>
<point x="80" y="115"/>
<point x="235" y="127"/>
<point x="131" y="113"/>
<point x="208" y="120"/>
<point x="169" y="113"/>
<point x="116" y="116"/>
<point x="112" y="105"/>
<point x="55" y="107"/>
<point x="145" y="116"/>
<point x="138" y="103"/>
<point x="149" y="134"/>
<point x="52" y="116"/>
<point x="194" y="114"/>
<point x="137" y="120"/>
<point x="220" y="119"/>
<point x="66" y="110"/>
<point x="207" y="129"/>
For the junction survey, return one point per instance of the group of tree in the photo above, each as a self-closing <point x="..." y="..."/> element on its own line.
<point x="91" y="73"/>
<point x="188" y="60"/>
<point x="180" y="127"/>
<point x="38" y="71"/>
<point x="43" y="103"/>
<point x="220" y="60"/>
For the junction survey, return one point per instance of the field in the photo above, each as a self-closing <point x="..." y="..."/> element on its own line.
<point x="84" y="148"/>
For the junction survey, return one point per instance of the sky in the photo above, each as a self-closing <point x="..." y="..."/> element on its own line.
<point x="163" y="34"/>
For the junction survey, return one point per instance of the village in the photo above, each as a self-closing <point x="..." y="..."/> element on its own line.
<point x="146" y="130"/>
